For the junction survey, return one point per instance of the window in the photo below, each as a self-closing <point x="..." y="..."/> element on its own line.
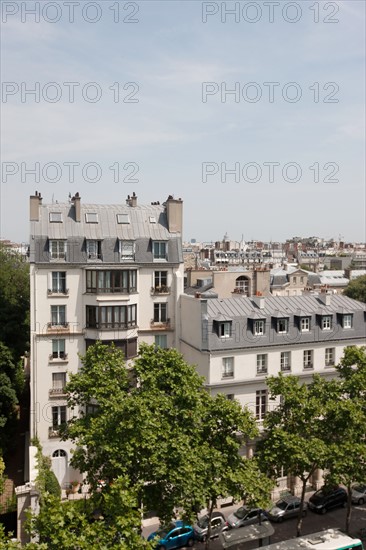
<point x="58" y="349"/>
<point x="123" y="218"/>
<point x="160" y="280"/>
<point x="58" y="416"/>
<point x="326" y="322"/>
<point x="111" y="316"/>
<point x="160" y="313"/>
<point x="224" y="329"/>
<point x="329" y="357"/>
<point x="161" y="341"/>
<point x="282" y="326"/>
<point x="59" y="453"/>
<point x="93" y="249"/>
<point x="347" y="321"/>
<point x="260" y="404"/>
<point x="294" y="280"/>
<point x="121" y="281"/>
<point x="242" y="285"/>
<point x="159" y="250"/>
<point x="152" y="219"/>
<point x="285" y="361"/>
<point x="58" y="315"/>
<point x="227" y="367"/>
<point x="308" y="359"/>
<point x="58" y="382"/>
<point x="56" y="217"/>
<point x="127" y="345"/>
<point x="262" y="363"/>
<point x="259" y="326"/>
<point x="58" y="282"/>
<point x="301" y="280"/>
<point x="58" y="250"/>
<point x="127" y="250"/>
<point x="230" y="396"/>
<point x="91" y="217"/>
<point x="305" y="324"/>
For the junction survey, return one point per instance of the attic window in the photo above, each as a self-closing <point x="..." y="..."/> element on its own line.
<point x="56" y="217"/>
<point x="91" y="217"/>
<point x="152" y="219"/>
<point x="123" y="218"/>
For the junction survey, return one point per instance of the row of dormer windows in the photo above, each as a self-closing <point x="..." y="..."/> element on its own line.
<point x="258" y="327"/>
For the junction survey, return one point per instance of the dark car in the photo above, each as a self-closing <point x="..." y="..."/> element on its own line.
<point x="327" y="498"/>
<point x="218" y="524"/>
<point x="287" y="507"/>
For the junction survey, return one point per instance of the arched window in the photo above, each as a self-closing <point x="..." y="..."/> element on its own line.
<point x="58" y="453"/>
<point x="242" y="285"/>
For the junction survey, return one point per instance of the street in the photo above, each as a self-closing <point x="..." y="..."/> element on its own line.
<point x="311" y="524"/>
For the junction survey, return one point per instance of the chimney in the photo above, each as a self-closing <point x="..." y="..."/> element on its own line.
<point x="174" y="212"/>
<point x="259" y="301"/>
<point x="34" y="204"/>
<point x="131" y="201"/>
<point x="325" y="298"/>
<point x="76" y="199"/>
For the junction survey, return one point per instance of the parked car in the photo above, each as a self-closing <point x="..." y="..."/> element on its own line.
<point x="327" y="498"/>
<point x="286" y="507"/>
<point x="175" y="535"/>
<point x="245" y="516"/>
<point x="218" y="524"/>
<point x="359" y="494"/>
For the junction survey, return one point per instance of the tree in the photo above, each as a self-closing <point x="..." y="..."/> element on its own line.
<point x="14" y="302"/>
<point x="356" y="289"/>
<point x="344" y="401"/>
<point x="294" y="433"/>
<point x="225" y="426"/>
<point x="165" y="434"/>
<point x="8" y="396"/>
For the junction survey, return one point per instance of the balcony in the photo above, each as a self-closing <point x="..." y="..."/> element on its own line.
<point x="227" y="374"/>
<point x="159" y="290"/>
<point x="262" y="370"/>
<point x="57" y="392"/>
<point x="286" y="368"/>
<point x="58" y="328"/>
<point x="58" y="292"/>
<point x="330" y="363"/>
<point x="239" y="290"/>
<point x="60" y="357"/>
<point x="160" y="325"/>
<point x="308" y="366"/>
<point x="53" y="432"/>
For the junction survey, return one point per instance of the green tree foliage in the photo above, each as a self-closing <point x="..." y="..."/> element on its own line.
<point x="356" y="289"/>
<point x="177" y="445"/>
<point x="14" y="302"/>
<point x="294" y="432"/>
<point x="346" y="414"/>
<point x="9" y="383"/>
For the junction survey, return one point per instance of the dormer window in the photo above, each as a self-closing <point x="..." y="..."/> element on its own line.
<point x="127" y="250"/>
<point x="159" y="250"/>
<point x="94" y="249"/>
<point x="56" y="217"/>
<point x="223" y="329"/>
<point x="305" y="324"/>
<point x="326" y="322"/>
<point x="282" y="326"/>
<point x="57" y="249"/>
<point x="91" y="217"/>
<point x="347" y="321"/>
<point x="259" y="326"/>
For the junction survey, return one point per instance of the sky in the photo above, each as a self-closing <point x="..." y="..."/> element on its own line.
<point x="252" y="112"/>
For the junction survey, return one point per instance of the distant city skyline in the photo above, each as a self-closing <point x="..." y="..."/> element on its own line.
<point x="251" y="112"/>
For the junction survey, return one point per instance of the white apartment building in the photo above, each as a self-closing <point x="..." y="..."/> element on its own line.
<point x="98" y="272"/>
<point x="237" y="342"/>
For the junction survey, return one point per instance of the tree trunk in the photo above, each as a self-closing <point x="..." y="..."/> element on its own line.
<point x="300" y="516"/>
<point x="349" y="507"/>
<point x="210" y="508"/>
